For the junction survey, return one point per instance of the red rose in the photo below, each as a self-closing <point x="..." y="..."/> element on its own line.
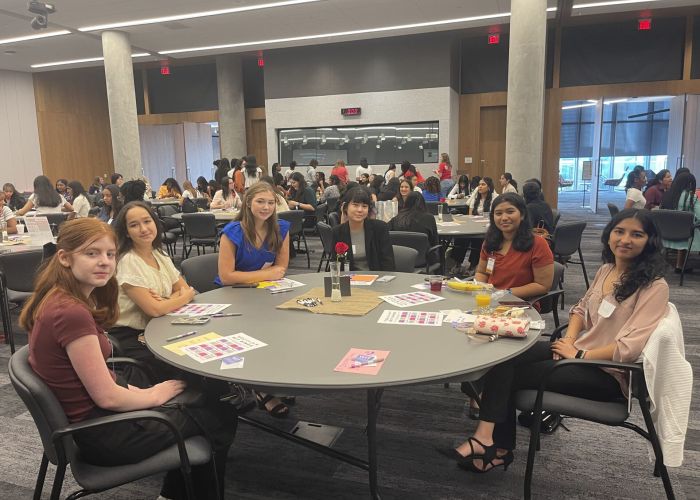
<point x="341" y="248"/>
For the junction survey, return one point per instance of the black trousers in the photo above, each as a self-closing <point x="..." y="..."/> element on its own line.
<point x="126" y="344"/>
<point x="464" y="245"/>
<point x="525" y="372"/>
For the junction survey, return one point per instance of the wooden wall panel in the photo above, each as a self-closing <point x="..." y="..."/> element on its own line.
<point x="492" y="142"/>
<point x="256" y="136"/>
<point x="73" y="123"/>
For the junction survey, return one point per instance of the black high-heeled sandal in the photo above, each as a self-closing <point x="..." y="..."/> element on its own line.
<point x="507" y="460"/>
<point x="280" y="410"/>
<point x="488" y="455"/>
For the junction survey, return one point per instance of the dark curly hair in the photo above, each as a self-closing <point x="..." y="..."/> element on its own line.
<point x="648" y="266"/>
<point x="524" y="239"/>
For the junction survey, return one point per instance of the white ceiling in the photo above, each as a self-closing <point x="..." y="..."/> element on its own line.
<point x="320" y="17"/>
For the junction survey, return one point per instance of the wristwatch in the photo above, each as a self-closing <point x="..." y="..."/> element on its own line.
<point x="580" y="354"/>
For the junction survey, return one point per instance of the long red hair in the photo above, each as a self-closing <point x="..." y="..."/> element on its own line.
<point x="73" y="236"/>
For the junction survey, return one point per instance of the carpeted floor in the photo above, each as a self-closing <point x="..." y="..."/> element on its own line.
<point x="590" y="461"/>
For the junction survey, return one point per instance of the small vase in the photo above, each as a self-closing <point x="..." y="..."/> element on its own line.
<point x="335" y="281"/>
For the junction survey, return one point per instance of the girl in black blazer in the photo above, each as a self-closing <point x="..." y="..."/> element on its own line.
<point x="371" y="250"/>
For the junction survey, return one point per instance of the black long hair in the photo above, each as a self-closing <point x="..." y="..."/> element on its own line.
<point x="414" y="204"/>
<point x="658" y="178"/>
<point x="632" y="178"/>
<point x="298" y="193"/>
<point x="45" y="195"/>
<point x="474" y="183"/>
<point x="509" y="177"/>
<point x="648" y="266"/>
<point x="77" y="188"/>
<point x="524" y="239"/>
<point x="463" y="179"/>
<point x="487" y="200"/>
<point x="683" y="183"/>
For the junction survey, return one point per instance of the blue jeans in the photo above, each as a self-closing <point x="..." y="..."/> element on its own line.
<point x="445" y="187"/>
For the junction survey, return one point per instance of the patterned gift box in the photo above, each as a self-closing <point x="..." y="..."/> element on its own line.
<point x="502" y="326"/>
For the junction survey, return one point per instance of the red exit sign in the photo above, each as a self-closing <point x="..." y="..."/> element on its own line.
<point x="351" y="111"/>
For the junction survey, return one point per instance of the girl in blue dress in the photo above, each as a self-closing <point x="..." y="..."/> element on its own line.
<point x="254" y="248"/>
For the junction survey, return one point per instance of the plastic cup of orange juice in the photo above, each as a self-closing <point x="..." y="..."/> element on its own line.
<point x="483" y="301"/>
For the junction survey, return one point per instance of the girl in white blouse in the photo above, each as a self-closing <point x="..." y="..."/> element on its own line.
<point x="45" y="198"/>
<point x="81" y="205"/>
<point x="636" y="180"/>
<point x="226" y="197"/>
<point x="508" y="185"/>
<point x="149" y="284"/>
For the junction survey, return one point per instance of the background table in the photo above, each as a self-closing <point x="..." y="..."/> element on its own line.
<point x="220" y="216"/>
<point x="468" y="225"/>
<point x="164" y="201"/>
<point x="304" y="348"/>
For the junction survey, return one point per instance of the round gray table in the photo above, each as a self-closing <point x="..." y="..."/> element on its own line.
<point x="304" y="348"/>
<point x="457" y="202"/>
<point x="466" y="225"/>
<point x="219" y="215"/>
<point x="159" y="202"/>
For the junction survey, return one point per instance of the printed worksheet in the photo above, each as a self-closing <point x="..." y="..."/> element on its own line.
<point x="457" y="316"/>
<point x="416" y="318"/>
<point x="222" y="347"/>
<point x="411" y="299"/>
<point x="282" y="284"/>
<point x="198" y="309"/>
<point x="178" y="347"/>
<point x="362" y="361"/>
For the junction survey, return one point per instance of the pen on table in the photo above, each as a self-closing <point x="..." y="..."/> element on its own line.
<point x="365" y="363"/>
<point x="181" y="336"/>
<point x="225" y="315"/>
<point x="282" y="290"/>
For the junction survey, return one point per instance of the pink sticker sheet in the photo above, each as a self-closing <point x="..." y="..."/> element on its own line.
<point x="362" y="361"/>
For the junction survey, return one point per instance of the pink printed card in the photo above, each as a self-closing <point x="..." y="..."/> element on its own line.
<point x="362" y="361"/>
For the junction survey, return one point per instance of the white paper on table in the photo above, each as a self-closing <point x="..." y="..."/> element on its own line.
<point x="448" y="223"/>
<point x="421" y="286"/>
<point x="410" y="299"/>
<point x="416" y="318"/>
<point x="194" y="309"/>
<point x="537" y="325"/>
<point x="284" y="284"/>
<point x="457" y="316"/>
<point x="222" y="347"/>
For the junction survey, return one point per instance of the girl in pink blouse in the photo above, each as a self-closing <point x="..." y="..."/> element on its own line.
<point x="613" y="321"/>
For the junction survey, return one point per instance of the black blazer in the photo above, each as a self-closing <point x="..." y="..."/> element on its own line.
<point x="420" y="222"/>
<point x="380" y="254"/>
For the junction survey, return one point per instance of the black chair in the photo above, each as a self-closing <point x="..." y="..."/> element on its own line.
<point x="17" y="271"/>
<point x="201" y="232"/>
<point x="331" y="204"/>
<point x="567" y="241"/>
<point x="60" y="449"/>
<point x="200" y="271"/>
<point x="429" y="258"/>
<point x="432" y="207"/>
<point x="55" y="220"/>
<point x="612" y="413"/>
<point x="202" y="203"/>
<point x="326" y="234"/>
<point x="404" y="258"/>
<point x="94" y="211"/>
<point x="549" y="302"/>
<point x="676" y="225"/>
<point x="171" y="227"/>
<point x="612" y="208"/>
<point x="333" y="219"/>
<point x="319" y="216"/>
<point x="296" y="230"/>
<point x="556" y="215"/>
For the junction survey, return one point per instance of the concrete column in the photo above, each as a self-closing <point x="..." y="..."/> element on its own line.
<point x="526" y="67"/>
<point x="121" y="97"/>
<point x="229" y="82"/>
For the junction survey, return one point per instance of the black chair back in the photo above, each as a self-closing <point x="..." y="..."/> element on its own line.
<point x="433" y="207"/>
<point x="321" y="211"/>
<point x="613" y="209"/>
<point x="331" y="204"/>
<point x="166" y="210"/>
<point x="295" y="219"/>
<point x="674" y="225"/>
<point x="326" y="233"/>
<point x="202" y="203"/>
<point x="404" y="259"/>
<point x="333" y="219"/>
<point x="200" y="271"/>
<point x="556" y="215"/>
<point x="19" y="269"/>
<point x="567" y="238"/>
<point x="200" y="225"/>
<point x="411" y="239"/>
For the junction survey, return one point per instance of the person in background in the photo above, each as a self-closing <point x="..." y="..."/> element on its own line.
<point x="61" y="188"/>
<point x="96" y="186"/>
<point x="212" y="188"/>
<point x="474" y="184"/>
<point x="301" y="196"/>
<point x="74" y="300"/>
<point x="367" y="239"/>
<point x="636" y="180"/>
<point x="631" y="282"/>
<point x="508" y="185"/>
<point x="310" y="174"/>
<point x="412" y="173"/>
<point x="340" y="171"/>
<point x="376" y="186"/>
<point x="133" y="191"/>
<point x="482" y="200"/>
<point x="390" y="172"/>
<point x="277" y="174"/>
<point x="13" y="199"/>
<point x="319" y="183"/>
<point x="226" y="197"/>
<point x="656" y="188"/>
<point x="288" y="173"/>
<point x="81" y="205"/>
<point x="45" y="198"/>
<point x="149" y="190"/>
<point x="117" y="179"/>
<point x="149" y="284"/>
<point x="332" y="191"/>
<point x="681" y="196"/>
<point x="281" y="201"/>
<point x="414" y="216"/>
<point x="431" y="189"/>
<point x="112" y="204"/>
<point x="254" y="248"/>
<point x="189" y="191"/>
<point x="480" y="205"/>
<point x="364" y="168"/>
<point x="538" y="211"/>
<point x="7" y="217"/>
<point x="444" y="172"/>
<point x="169" y="189"/>
<point x="238" y="175"/>
<point x="222" y="167"/>
<point x="364" y="180"/>
<point x="461" y="189"/>
<point x="405" y="187"/>
<point x="252" y="171"/>
<point x="390" y="190"/>
<point x="203" y="187"/>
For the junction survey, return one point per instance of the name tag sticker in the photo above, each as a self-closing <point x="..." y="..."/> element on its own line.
<point x="490" y="265"/>
<point x="353" y="249"/>
<point x="605" y="309"/>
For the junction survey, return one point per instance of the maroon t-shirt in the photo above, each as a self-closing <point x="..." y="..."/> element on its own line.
<point x="61" y="321"/>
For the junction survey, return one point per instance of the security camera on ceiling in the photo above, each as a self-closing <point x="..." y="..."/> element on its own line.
<point x="42" y="11"/>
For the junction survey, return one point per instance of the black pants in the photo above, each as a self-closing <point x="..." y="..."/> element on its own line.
<point x="525" y="372"/>
<point x="126" y="344"/>
<point x="464" y="245"/>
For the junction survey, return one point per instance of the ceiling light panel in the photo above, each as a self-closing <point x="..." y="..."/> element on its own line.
<point x="38" y="36"/>
<point x="590" y="5"/>
<point x="83" y="60"/>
